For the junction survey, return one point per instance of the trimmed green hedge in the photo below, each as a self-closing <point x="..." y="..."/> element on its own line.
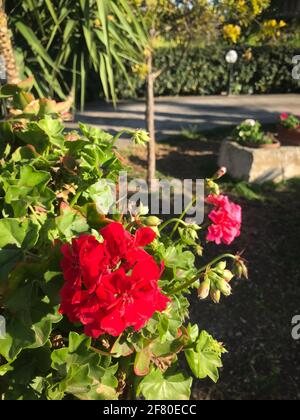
<point x="204" y="72"/>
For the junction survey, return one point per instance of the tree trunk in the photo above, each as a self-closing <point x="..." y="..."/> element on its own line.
<point x="6" y="47"/>
<point x="150" y="119"/>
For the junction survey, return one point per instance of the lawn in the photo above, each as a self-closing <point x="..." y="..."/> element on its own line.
<point x="255" y="323"/>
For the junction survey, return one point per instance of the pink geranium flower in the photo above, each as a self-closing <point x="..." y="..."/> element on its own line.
<point x="284" y="116"/>
<point x="226" y="218"/>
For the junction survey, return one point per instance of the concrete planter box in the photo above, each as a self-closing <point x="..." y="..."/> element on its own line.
<point x="260" y="165"/>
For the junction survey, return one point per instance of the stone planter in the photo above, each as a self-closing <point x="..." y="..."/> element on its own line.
<point x="260" y="165"/>
<point x="275" y="145"/>
<point x="289" y="137"/>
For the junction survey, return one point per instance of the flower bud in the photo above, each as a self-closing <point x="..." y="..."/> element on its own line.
<point x="203" y="291"/>
<point x="152" y="221"/>
<point x="240" y="268"/>
<point x="224" y="287"/>
<point x="199" y="250"/>
<point x="215" y="296"/>
<point x="221" y="266"/>
<point x="156" y="230"/>
<point x="228" y="276"/>
<point x="221" y="172"/>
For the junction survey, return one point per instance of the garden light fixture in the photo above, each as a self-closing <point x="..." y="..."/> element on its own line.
<point x="231" y="58"/>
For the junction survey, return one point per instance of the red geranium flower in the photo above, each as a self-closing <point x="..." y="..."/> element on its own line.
<point x="113" y="285"/>
<point x="226" y="218"/>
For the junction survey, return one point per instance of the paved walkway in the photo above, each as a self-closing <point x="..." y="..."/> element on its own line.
<point x="206" y="112"/>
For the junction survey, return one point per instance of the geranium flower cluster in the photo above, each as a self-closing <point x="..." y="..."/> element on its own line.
<point x="113" y="285"/>
<point x="289" y="121"/>
<point x="226" y="218"/>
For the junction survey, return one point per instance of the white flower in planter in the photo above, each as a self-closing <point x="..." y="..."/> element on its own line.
<point x="250" y="122"/>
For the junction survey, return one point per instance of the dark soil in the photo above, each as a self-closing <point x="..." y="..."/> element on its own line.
<point x="255" y="324"/>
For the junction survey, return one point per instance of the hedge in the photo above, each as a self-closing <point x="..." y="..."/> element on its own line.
<point x="198" y="71"/>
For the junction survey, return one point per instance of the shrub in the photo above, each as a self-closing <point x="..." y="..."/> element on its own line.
<point x="198" y="71"/>
<point x="96" y="307"/>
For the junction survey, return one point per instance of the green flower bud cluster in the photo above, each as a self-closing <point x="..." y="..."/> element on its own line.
<point x="212" y="186"/>
<point x="140" y="137"/>
<point x="189" y="234"/>
<point x="216" y="283"/>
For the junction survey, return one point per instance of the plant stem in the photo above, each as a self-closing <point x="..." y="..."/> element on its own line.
<point x="150" y="122"/>
<point x="201" y="270"/>
<point x="35" y="216"/>
<point x="168" y="222"/>
<point x="180" y="219"/>
<point x="118" y="136"/>
<point x="75" y="199"/>
<point x="103" y="353"/>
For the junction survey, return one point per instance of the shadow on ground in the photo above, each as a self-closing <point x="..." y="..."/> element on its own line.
<point x="173" y="114"/>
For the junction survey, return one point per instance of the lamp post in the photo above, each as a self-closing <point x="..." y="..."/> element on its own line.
<point x="231" y="58"/>
<point x="3" y="81"/>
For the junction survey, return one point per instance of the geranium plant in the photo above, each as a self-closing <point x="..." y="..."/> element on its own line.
<point x="96" y="306"/>
<point x="251" y="133"/>
<point x="289" y="121"/>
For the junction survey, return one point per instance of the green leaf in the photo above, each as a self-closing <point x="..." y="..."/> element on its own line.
<point x="101" y="194"/>
<point x="34" y="136"/>
<point x="6" y="133"/>
<point x="34" y="43"/>
<point x="193" y="333"/>
<point x="42" y="332"/>
<point x="5" y="368"/>
<point x="204" y="358"/>
<point x="71" y="223"/>
<point x="29" y="320"/>
<point x="77" y="342"/>
<point x="9" y="90"/>
<point x="95" y="134"/>
<point x="167" y="387"/>
<point x="175" y="258"/>
<point x="83" y="372"/>
<point x="29" y="189"/>
<point x="22" y="99"/>
<point x="18" y="337"/>
<point x="142" y="362"/>
<point x="29" y="366"/>
<point x="122" y="348"/>
<point x="26" y="84"/>
<point x="53" y="129"/>
<point x="22" y="233"/>
<point x="8" y="260"/>
<point x="78" y="381"/>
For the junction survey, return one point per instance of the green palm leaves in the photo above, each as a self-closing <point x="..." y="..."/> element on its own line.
<point x="61" y="41"/>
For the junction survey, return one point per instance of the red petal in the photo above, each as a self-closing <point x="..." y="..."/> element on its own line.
<point x="144" y="237"/>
